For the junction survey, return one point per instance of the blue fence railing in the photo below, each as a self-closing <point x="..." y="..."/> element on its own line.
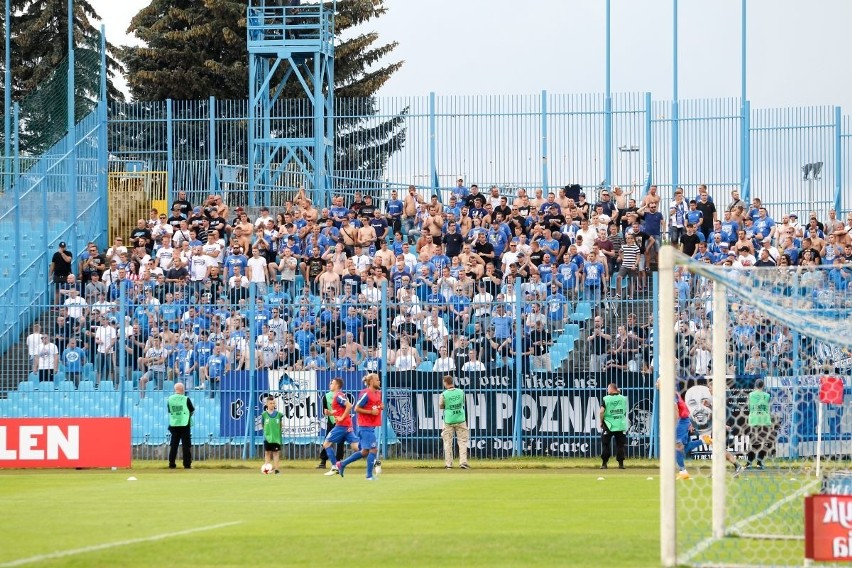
<point x="532" y="141"/>
<point x="39" y="214"/>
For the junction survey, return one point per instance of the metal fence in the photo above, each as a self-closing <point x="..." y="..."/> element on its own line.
<point x="533" y="141"/>
<point x="532" y="389"/>
<point x="59" y="197"/>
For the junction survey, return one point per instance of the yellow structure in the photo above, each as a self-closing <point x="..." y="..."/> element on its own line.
<point x="131" y="197"/>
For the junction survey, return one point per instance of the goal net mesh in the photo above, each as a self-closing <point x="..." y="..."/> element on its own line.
<point x="786" y="331"/>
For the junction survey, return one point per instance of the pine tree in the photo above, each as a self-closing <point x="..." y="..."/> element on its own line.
<point x="196" y="49"/>
<point x="39" y="52"/>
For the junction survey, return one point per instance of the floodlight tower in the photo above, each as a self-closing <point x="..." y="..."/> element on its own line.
<point x="289" y="41"/>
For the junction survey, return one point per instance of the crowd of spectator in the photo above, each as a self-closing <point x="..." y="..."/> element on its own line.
<point x="184" y="293"/>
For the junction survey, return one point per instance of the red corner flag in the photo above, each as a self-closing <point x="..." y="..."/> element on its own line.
<point x="831" y="390"/>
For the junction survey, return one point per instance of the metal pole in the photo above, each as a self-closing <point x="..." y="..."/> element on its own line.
<point x="649" y="148"/>
<point x="519" y="377"/>
<point x="720" y="364"/>
<point x="16" y="165"/>
<point x="838" y="158"/>
<point x="119" y="348"/>
<point x="251" y="373"/>
<point x="170" y="153"/>
<point x="675" y="107"/>
<point x="744" y="51"/>
<point x="7" y="103"/>
<point x="383" y="368"/>
<point x="545" y="182"/>
<point x="745" y="134"/>
<point x="103" y="140"/>
<point x="608" y="105"/>
<point x="72" y="134"/>
<point x="211" y="142"/>
<point x="746" y="151"/>
<point x="664" y="340"/>
<point x="433" y="144"/>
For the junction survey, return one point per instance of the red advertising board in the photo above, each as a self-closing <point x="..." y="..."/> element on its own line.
<point x="64" y="442"/>
<point x="828" y="528"/>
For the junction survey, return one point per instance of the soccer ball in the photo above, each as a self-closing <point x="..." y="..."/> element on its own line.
<point x="266" y="469"/>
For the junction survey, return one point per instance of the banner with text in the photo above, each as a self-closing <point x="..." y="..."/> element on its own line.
<point x="556" y="416"/>
<point x="64" y="442"/>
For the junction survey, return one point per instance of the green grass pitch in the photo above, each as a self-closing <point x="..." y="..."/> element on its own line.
<point x="216" y="515"/>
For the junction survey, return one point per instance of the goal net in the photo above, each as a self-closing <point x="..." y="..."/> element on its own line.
<point x="754" y="354"/>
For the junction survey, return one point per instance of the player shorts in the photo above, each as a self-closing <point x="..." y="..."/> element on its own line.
<point x="682" y="431"/>
<point x="341" y="433"/>
<point x="367" y="437"/>
<point x="271" y="447"/>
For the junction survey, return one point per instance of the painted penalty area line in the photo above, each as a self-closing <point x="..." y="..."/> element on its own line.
<point x="106" y="546"/>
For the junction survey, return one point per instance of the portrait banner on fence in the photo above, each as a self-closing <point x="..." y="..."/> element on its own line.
<point x="297" y="397"/>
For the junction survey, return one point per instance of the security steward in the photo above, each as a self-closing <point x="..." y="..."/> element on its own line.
<point x="180" y="416"/>
<point x="613" y="425"/>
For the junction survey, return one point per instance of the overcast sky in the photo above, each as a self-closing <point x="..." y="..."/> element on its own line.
<point x="796" y="51"/>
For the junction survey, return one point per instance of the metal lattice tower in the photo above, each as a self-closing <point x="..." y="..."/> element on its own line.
<point x="290" y="144"/>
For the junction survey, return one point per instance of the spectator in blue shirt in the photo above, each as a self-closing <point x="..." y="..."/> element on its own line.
<point x="73" y="359"/>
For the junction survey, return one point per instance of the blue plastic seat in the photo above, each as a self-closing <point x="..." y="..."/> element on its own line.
<point x="425" y="366"/>
<point x="86" y="386"/>
<point x="89" y="372"/>
<point x="26" y="386"/>
<point x="583" y="312"/>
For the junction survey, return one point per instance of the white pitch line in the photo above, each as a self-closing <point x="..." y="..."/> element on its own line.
<point x="97" y="547"/>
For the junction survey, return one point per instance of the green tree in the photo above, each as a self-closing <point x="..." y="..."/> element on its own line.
<point x="196" y="49"/>
<point x="39" y="67"/>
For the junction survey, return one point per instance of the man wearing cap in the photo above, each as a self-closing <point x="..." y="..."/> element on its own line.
<point x="176" y="217"/>
<point x="60" y="268"/>
<point x="263" y="218"/>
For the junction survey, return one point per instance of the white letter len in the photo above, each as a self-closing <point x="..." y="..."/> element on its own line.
<point x="6" y="454"/>
<point x="70" y="444"/>
<point x="27" y="442"/>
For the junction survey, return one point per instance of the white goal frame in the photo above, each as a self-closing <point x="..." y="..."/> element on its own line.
<point x="668" y="492"/>
<point x="798" y="316"/>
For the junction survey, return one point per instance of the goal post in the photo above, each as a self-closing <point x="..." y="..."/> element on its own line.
<point x="668" y="493"/>
<point x="726" y="333"/>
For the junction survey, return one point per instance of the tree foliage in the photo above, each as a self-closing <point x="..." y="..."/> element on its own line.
<point x="39" y="54"/>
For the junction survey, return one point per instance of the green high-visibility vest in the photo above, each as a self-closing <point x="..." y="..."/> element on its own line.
<point x="329" y="396"/>
<point x="272" y="427"/>
<point x="178" y="410"/>
<point x="454" y="406"/>
<point x="615" y="412"/>
<point x="758" y="409"/>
